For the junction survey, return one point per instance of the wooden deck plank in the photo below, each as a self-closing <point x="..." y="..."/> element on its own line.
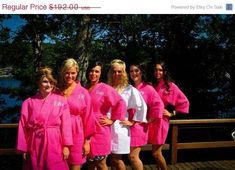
<point x="153" y="167"/>
<point x="209" y="164"/>
<point x="188" y="165"/>
<point x="226" y="164"/>
<point x="200" y="164"/>
<point x="222" y="164"/>
<point x="214" y="164"/>
<point x="147" y="167"/>
<point x="231" y="164"/>
<point x="172" y="167"/>
<point x="194" y="164"/>
<point x="182" y="166"/>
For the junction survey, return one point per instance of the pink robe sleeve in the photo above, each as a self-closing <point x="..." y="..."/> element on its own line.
<point x="88" y="118"/>
<point x="66" y="127"/>
<point x="118" y="105"/>
<point x="181" y="102"/>
<point x="21" y="143"/>
<point x="155" y="106"/>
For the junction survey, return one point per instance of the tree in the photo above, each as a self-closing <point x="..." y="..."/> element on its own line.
<point x="199" y="50"/>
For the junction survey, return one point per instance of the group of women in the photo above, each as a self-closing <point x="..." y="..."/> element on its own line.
<point x="64" y="127"/>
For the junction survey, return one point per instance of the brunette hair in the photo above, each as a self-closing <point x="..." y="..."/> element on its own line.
<point x="166" y="76"/>
<point x="143" y="69"/>
<point x="93" y="64"/>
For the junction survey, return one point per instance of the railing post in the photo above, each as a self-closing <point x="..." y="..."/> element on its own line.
<point x="174" y="141"/>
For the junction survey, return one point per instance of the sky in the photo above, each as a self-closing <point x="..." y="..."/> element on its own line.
<point x="14" y="23"/>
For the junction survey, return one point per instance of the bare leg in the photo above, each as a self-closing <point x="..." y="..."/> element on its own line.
<point x="117" y="162"/>
<point x="75" y="167"/>
<point x="134" y="159"/>
<point x="101" y="165"/>
<point x="157" y="154"/>
<point x="91" y="165"/>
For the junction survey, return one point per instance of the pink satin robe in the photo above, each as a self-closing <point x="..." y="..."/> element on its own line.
<point x="139" y="132"/>
<point x="174" y="97"/>
<point x="105" y="99"/>
<point x="44" y="128"/>
<point x="83" y="123"/>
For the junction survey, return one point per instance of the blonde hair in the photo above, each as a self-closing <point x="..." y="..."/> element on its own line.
<point x="45" y="72"/>
<point x="67" y="64"/>
<point x="124" y="80"/>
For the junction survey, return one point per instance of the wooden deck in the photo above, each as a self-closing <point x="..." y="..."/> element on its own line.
<point x="174" y="148"/>
<point x="206" y="165"/>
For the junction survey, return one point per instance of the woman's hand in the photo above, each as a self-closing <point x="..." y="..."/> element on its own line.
<point x="86" y="147"/>
<point x="127" y="123"/>
<point x="25" y="156"/>
<point x="167" y="113"/>
<point x="65" y="152"/>
<point x="104" y="121"/>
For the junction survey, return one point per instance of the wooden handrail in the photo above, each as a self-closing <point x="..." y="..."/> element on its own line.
<point x="191" y="123"/>
<point x="173" y="122"/>
<point x="174" y="145"/>
<point x="201" y="121"/>
<point x="8" y="125"/>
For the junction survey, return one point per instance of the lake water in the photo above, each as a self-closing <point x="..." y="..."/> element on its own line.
<point x="7" y="101"/>
<point x="9" y="82"/>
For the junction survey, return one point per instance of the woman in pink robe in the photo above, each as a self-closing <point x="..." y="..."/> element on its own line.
<point x="83" y="121"/>
<point x="174" y="102"/>
<point x="139" y="131"/>
<point x="44" y="131"/>
<point x="108" y="106"/>
<point x="136" y="113"/>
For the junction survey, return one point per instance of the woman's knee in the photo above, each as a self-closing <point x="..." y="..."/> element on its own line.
<point x="157" y="155"/>
<point x="102" y="165"/>
<point x="132" y="157"/>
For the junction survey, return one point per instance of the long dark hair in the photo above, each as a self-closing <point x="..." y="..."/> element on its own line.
<point x="166" y="75"/>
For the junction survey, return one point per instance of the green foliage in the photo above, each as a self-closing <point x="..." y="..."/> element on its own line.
<point x="199" y="49"/>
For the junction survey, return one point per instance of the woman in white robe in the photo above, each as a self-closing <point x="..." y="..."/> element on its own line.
<point x="136" y="112"/>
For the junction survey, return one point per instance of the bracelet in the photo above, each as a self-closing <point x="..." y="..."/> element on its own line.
<point x="173" y="113"/>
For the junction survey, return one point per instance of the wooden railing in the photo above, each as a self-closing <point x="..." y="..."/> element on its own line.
<point x="173" y="145"/>
<point x="199" y="124"/>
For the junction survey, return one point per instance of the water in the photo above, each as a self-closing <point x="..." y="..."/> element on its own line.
<point x="9" y="83"/>
<point x="7" y="101"/>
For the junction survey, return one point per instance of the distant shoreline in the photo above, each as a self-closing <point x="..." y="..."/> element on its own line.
<point x="6" y="76"/>
<point x="6" y="72"/>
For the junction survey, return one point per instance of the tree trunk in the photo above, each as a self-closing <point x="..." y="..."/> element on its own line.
<point x="83" y="43"/>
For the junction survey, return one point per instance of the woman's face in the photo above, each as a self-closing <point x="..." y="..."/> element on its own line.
<point x="158" y="73"/>
<point x="70" y="75"/>
<point x="117" y="73"/>
<point x="135" y="74"/>
<point x="94" y="74"/>
<point x="45" y="86"/>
